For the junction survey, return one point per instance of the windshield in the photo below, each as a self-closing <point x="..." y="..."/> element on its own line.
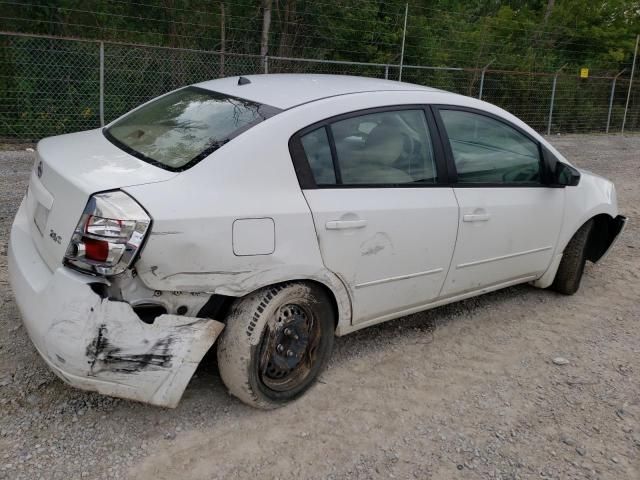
<point x="176" y="131"/>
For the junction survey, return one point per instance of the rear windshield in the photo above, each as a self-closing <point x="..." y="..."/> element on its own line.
<point x="176" y="131"/>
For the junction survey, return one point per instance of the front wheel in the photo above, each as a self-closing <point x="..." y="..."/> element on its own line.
<point x="574" y="257"/>
<point x="276" y="342"/>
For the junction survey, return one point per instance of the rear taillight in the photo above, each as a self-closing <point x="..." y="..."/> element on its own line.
<point x="109" y="234"/>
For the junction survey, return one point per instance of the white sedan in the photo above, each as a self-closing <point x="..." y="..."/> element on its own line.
<point x="277" y="212"/>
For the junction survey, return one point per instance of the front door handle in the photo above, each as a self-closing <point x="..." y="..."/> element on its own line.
<point x="475" y="217"/>
<point x="345" y="224"/>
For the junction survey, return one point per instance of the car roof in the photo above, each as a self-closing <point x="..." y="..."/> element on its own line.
<point x="287" y="90"/>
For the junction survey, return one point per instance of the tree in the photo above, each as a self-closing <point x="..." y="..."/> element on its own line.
<point x="266" y="26"/>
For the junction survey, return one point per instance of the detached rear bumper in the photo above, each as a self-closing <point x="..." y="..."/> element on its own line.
<point x="98" y="344"/>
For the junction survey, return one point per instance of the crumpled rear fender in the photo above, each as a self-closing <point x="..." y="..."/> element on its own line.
<point x="99" y="344"/>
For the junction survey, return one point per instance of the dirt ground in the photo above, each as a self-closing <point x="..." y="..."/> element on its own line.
<point x="467" y="391"/>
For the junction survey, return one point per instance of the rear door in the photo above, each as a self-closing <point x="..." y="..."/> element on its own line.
<point x="509" y="219"/>
<point x="386" y="221"/>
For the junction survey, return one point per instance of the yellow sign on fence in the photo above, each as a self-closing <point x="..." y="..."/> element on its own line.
<point x="584" y="73"/>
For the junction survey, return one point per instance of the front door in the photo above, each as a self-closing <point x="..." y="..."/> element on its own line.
<point x="509" y="220"/>
<point x="385" y="224"/>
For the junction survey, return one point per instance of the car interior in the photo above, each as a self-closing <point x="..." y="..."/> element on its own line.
<point x="379" y="148"/>
<point x="394" y="147"/>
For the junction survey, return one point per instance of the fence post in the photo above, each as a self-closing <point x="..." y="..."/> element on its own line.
<point x="265" y="61"/>
<point x="386" y="72"/>
<point x="553" y="98"/>
<point x="482" y="78"/>
<point x="404" y="35"/>
<point x="613" y="90"/>
<point x="633" y="69"/>
<point x="102" y="84"/>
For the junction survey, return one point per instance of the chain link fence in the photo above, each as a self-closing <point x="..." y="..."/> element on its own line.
<point x="47" y="86"/>
<point x="52" y="85"/>
<point x="134" y="74"/>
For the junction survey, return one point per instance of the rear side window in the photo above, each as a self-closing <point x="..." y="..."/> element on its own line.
<point x="489" y="151"/>
<point x="318" y="152"/>
<point x="383" y="148"/>
<point x="177" y="130"/>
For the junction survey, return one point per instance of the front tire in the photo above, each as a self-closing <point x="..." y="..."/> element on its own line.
<point x="569" y="275"/>
<point x="276" y="342"/>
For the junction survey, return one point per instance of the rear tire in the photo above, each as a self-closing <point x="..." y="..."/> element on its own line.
<point x="276" y="342"/>
<point x="569" y="274"/>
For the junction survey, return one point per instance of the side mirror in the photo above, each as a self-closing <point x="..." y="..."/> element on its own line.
<point x="565" y="175"/>
<point x="559" y="174"/>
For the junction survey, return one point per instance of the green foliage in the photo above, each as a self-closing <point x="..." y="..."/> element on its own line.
<point x="51" y="86"/>
<point x="598" y="34"/>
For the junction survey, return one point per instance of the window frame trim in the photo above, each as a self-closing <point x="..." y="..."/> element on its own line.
<point x="303" y="168"/>
<point x="453" y="172"/>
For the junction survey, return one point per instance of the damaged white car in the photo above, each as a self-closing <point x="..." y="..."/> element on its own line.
<point x="277" y="212"/>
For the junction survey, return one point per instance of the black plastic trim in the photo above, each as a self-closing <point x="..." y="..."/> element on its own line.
<point x="148" y="312"/>
<point x="216" y="307"/>
<point x="337" y="171"/>
<point x="552" y="163"/>
<point x="605" y="233"/>
<point x="445" y="148"/>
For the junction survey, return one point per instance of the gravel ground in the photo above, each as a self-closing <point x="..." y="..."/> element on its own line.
<point x="464" y="391"/>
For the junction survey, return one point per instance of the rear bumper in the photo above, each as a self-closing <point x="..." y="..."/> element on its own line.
<point x="98" y="344"/>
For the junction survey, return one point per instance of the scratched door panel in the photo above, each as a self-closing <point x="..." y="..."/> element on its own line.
<point x="391" y="246"/>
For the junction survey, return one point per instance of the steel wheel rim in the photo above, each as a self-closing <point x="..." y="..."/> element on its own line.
<point x="288" y="350"/>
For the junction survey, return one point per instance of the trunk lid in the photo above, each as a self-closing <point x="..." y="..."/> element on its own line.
<point x="69" y="169"/>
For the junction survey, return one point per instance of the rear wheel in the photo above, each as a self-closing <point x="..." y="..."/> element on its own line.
<point x="276" y="342"/>
<point x="567" y="280"/>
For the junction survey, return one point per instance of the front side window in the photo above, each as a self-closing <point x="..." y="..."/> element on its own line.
<point x="489" y="151"/>
<point x="385" y="148"/>
<point x="177" y="130"/>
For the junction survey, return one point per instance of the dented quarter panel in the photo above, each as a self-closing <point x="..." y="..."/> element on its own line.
<point x="248" y="178"/>
<point x="99" y="344"/>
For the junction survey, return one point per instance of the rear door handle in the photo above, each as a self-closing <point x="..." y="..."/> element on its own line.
<point x="345" y="224"/>
<point x="476" y="217"/>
